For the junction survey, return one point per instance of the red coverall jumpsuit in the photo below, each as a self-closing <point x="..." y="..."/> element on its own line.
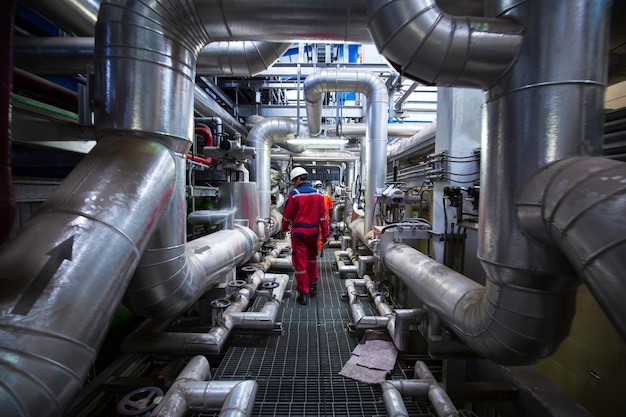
<point x="305" y="210"/>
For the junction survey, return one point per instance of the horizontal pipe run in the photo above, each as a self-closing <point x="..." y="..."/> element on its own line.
<point x="151" y="338"/>
<point x="266" y="318"/>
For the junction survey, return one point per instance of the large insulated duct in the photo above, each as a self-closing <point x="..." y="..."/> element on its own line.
<point x="75" y="16"/>
<point x="578" y="206"/>
<point x="426" y="44"/>
<point x="69" y="55"/>
<point x="170" y="278"/>
<point x="264" y="135"/>
<point x="65" y="274"/>
<point x="374" y="148"/>
<point x="525" y="310"/>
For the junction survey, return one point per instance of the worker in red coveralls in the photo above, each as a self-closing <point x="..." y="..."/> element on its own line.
<point x="329" y="207"/>
<point x="305" y="212"/>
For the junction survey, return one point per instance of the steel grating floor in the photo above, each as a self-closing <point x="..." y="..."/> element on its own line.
<point x="297" y="369"/>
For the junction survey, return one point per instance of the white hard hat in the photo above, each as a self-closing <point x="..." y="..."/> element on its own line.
<point x="317" y="183"/>
<point x="296" y="172"/>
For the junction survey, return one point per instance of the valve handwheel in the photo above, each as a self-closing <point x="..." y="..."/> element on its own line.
<point x="220" y="303"/>
<point x="140" y="401"/>
<point x="269" y="285"/>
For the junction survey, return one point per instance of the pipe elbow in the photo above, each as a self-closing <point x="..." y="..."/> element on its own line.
<point x="447" y="50"/>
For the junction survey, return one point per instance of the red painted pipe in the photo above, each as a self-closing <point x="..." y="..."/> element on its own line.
<point x="200" y="160"/>
<point x="208" y="140"/>
<point x="7" y="197"/>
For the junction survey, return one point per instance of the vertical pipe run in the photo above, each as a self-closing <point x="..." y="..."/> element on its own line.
<point x="7" y="197"/>
<point x="374" y="148"/>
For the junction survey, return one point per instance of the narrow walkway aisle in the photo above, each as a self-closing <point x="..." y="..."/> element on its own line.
<point x="297" y="368"/>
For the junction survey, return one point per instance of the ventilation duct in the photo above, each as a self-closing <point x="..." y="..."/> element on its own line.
<point x="427" y="45"/>
<point x="70" y="55"/>
<point x="578" y="205"/>
<point x="69" y="268"/>
<point x="526" y="307"/>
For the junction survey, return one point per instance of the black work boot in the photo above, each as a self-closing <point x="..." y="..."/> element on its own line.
<point x="303" y="298"/>
<point x="313" y="289"/>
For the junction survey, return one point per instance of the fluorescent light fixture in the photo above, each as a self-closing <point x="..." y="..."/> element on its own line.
<point x="317" y="141"/>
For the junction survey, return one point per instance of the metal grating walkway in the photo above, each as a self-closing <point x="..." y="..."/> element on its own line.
<point x="297" y="370"/>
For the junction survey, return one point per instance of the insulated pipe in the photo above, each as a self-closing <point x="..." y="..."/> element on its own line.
<point x="239" y="58"/>
<point x="394" y="130"/>
<point x="205" y="217"/>
<point x="394" y="404"/>
<point x="190" y="391"/>
<point x="321" y="155"/>
<point x="266" y="318"/>
<point x="374" y="168"/>
<point x="578" y="206"/>
<point x="7" y="196"/>
<point x="360" y="320"/>
<point x="525" y="310"/>
<point x="64" y="275"/>
<point x="265" y="134"/>
<point x="173" y="275"/>
<point x="427" y="45"/>
<point x="420" y="139"/>
<point x="68" y="55"/>
<point x="525" y="272"/>
<point x="436" y="394"/>
<point x="150" y="337"/>
<point x="509" y="325"/>
<point x="342" y="267"/>
<point x="423" y="385"/>
<point x="205" y="105"/>
<point x="75" y="16"/>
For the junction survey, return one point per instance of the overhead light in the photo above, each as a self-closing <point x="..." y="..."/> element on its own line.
<point x="317" y="141"/>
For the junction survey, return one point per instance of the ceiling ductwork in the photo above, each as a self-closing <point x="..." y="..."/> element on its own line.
<point x="426" y="44"/>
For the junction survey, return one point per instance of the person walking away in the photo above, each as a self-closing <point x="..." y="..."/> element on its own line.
<point x="329" y="210"/>
<point x="305" y="214"/>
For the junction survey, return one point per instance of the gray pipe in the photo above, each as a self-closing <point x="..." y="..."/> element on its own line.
<point x="420" y="139"/>
<point x="321" y="155"/>
<point x="509" y="325"/>
<point x="207" y="106"/>
<point x="65" y="273"/>
<point x="429" y="46"/>
<point x="206" y="217"/>
<point x="190" y="391"/>
<point x="578" y="205"/>
<point x="265" y="134"/>
<point x="525" y="309"/>
<point x="173" y="275"/>
<point x="71" y="55"/>
<point x="75" y="16"/>
<point x="374" y="168"/>
<point x="394" y="130"/>
<point x="150" y="337"/>
<point x="424" y="385"/>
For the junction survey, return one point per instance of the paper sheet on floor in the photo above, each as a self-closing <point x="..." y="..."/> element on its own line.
<point x="371" y="361"/>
